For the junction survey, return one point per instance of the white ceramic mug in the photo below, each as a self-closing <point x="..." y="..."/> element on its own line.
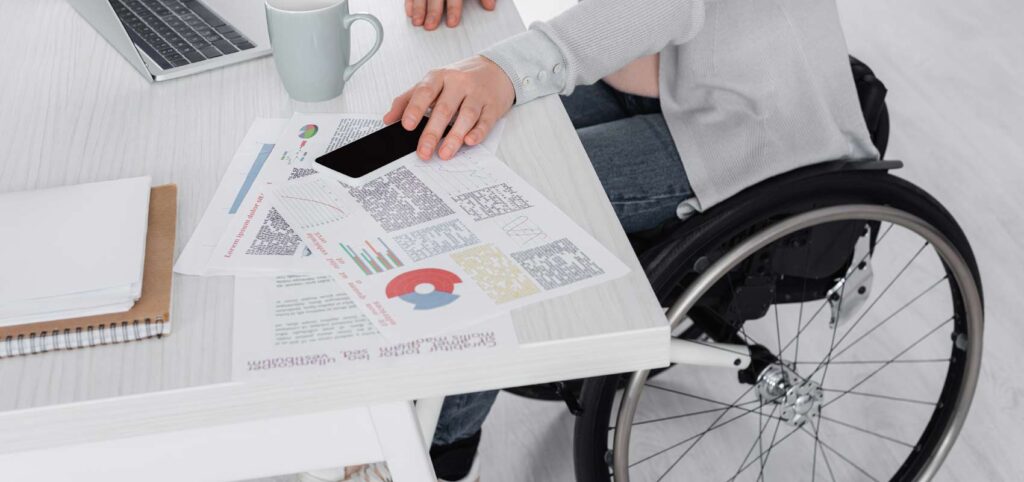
<point x="312" y="41"/>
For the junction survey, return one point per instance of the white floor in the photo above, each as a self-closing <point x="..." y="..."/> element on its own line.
<point x="955" y="73"/>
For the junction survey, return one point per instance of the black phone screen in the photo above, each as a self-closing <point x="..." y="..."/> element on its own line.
<point x="369" y="153"/>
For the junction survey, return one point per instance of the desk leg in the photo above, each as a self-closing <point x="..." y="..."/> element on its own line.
<point x="428" y="411"/>
<point x="400" y="439"/>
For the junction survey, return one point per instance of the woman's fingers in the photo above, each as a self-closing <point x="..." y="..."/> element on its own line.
<point x="488" y="117"/>
<point x="397" y="108"/>
<point x="444" y="109"/>
<point x="423" y="96"/>
<point x="475" y="92"/>
<point x="428" y="13"/>
<point x="435" y="8"/>
<point x="469" y="113"/>
<point x="419" y="11"/>
<point x="454" y="12"/>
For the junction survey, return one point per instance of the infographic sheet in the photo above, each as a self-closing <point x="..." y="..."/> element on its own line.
<point x="241" y="232"/>
<point x="257" y="239"/>
<point x="241" y="174"/>
<point x="429" y="247"/>
<point x="295" y="325"/>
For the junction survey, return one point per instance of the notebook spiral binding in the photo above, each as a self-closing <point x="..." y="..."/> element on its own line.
<point x="40" y="342"/>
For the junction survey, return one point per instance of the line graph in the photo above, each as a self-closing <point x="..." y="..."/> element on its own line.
<point x="311" y="203"/>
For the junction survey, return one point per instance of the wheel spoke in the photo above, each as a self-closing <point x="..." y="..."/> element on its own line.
<point x="814" y="458"/>
<point x="763" y="456"/>
<point x="649" y="457"/>
<point x="824" y="373"/>
<point x="778" y="331"/>
<point x="887" y="318"/>
<point x="713" y="426"/>
<point x="735" y="404"/>
<point x="827" y="446"/>
<point x="690" y="414"/>
<point x="901" y="353"/>
<point x="881" y="295"/>
<point x="757" y="441"/>
<point x="768" y="451"/>
<point x="803" y="297"/>
<point x="828" y="465"/>
<point x="801" y="328"/>
<point x="760" y="434"/>
<point x="874" y="362"/>
<point x="864" y="430"/>
<point x="886" y="397"/>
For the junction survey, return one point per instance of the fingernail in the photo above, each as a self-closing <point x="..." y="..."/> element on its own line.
<point x="426" y="150"/>
<point x="447" y="151"/>
<point x="408" y="122"/>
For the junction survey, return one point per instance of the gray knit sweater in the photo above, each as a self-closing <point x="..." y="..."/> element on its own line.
<point x="749" y="88"/>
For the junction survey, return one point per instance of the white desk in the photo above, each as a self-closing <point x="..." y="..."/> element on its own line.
<point x="71" y="111"/>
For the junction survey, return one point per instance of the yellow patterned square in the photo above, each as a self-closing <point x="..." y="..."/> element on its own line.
<point x="496" y="274"/>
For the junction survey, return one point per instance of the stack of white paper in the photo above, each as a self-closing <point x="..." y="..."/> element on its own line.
<point x="72" y="251"/>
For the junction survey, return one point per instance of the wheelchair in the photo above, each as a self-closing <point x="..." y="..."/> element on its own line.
<point x="826" y="325"/>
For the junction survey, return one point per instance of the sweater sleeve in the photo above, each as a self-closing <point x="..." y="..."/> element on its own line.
<point x="590" y="41"/>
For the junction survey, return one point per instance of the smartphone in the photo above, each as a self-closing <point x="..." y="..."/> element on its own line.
<point x="360" y="160"/>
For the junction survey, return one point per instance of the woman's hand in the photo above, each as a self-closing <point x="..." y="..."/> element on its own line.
<point x="475" y="92"/>
<point x="428" y="12"/>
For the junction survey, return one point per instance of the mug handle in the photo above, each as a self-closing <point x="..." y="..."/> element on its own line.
<point x="347" y="23"/>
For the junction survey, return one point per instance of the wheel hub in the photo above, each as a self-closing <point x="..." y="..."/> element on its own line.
<point x="800" y="399"/>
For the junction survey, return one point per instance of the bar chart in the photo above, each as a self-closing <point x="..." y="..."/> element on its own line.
<point x="373" y="259"/>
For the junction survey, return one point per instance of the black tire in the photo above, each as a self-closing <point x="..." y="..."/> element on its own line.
<point x="727" y="224"/>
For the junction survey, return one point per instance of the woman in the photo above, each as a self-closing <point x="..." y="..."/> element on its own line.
<point x="683" y="104"/>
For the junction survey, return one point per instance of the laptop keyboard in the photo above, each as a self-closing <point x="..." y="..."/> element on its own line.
<point x="178" y="32"/>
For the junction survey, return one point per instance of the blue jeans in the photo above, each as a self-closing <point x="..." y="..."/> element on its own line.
<point x="632" y="151"/>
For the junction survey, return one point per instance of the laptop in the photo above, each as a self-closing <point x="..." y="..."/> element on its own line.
<point x="167" y="39"/>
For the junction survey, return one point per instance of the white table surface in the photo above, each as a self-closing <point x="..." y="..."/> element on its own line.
<point x="72" y="110"/>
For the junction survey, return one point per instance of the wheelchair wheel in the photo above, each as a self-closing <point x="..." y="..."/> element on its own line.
<point x="864" y="369"/>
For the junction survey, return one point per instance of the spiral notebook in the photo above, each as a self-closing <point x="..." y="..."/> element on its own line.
<point x="149" y="317"/>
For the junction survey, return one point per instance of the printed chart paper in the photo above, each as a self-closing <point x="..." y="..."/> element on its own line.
<point x="294" y="325"/>
<point x="261" y="241"/>
<point x="257" y="239"/>
<point x="239" y="178"/>
<point x="429" y="247"/>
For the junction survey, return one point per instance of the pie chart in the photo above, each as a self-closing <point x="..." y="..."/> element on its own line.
<point x="307" y="131"/>
<point x="425" y="289"/>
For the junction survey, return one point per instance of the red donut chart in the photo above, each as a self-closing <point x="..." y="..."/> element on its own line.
<point x="404" y="286"/>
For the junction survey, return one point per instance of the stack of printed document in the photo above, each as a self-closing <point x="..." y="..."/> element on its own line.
<point x="72" y="251"/>
<point x="424" y="248"/>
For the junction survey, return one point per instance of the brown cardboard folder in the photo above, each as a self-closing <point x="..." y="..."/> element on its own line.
<point x="150" y="316"/>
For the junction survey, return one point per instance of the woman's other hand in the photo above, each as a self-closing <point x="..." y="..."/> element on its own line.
<point x="427" y="13"/>
<point x="475" y="92"/>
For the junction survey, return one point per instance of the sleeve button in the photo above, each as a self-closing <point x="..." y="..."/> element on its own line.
<point x="542" y="76"/>
<point x="557" y="69"/>
<point x="527" y="82"/>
